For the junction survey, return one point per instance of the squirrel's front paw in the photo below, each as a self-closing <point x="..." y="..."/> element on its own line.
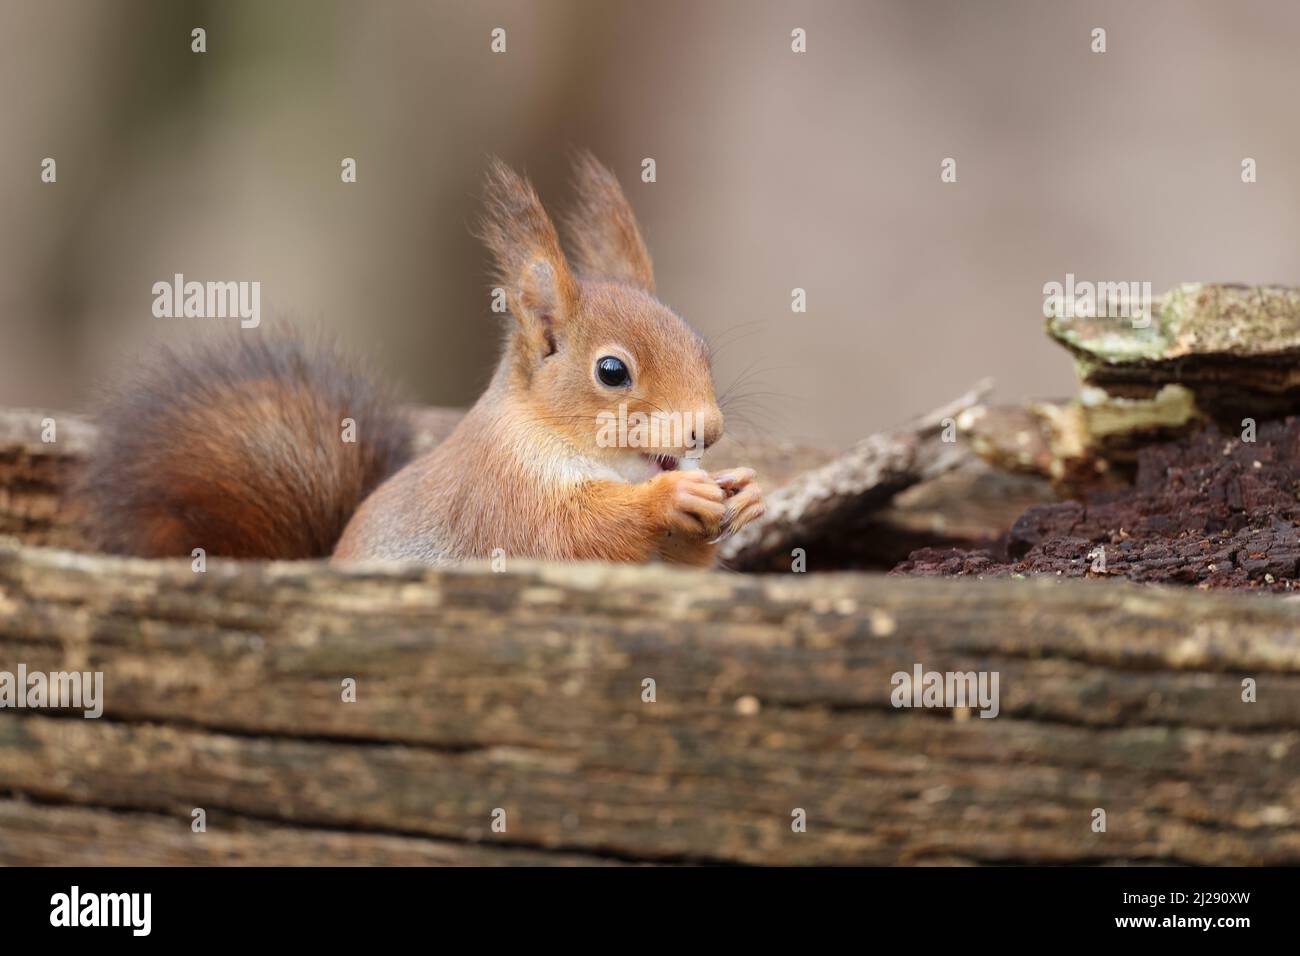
<point x="693" y="503"/>
<point x="744" y="499"/>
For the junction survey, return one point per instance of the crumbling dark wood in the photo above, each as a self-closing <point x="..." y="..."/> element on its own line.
<point x="1211" y="510"/>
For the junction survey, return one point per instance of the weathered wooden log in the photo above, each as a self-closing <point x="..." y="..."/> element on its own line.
<point x="832" y="504"/>
<point x="525" y="692"/>
<point x="35" y="474"/>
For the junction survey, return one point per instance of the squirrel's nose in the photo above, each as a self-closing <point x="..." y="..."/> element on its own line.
<point x="708" y="429"/>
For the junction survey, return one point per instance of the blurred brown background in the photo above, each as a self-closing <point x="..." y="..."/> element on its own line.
<point x="775" y="170"/>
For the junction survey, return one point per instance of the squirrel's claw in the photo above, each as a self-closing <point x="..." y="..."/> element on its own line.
<point x="733" y="479"/>
<point x="743" y="507"/>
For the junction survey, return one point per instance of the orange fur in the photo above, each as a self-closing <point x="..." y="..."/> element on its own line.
<point x="603" y="230"/>
<point x="234" y="447"/>
<point x="524" y="472"/>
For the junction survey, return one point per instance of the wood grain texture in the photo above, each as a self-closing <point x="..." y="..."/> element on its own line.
<point x="34" y="475"/>
<point x="523" y="691"/>
<point x="35" y="834"/>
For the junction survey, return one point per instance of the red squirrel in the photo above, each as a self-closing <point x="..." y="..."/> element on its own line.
<point x="237" y="448"/>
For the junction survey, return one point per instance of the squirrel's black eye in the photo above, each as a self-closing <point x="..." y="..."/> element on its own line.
<point x="612" y="372"/>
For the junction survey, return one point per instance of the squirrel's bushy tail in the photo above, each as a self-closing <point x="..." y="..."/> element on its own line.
<point x="238" y="445"/>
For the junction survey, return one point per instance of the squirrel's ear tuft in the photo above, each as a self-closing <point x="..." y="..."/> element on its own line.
<point x="602" y="228"/>
<point x="530" y="265"/>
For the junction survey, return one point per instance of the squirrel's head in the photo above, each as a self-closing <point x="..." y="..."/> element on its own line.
<point x="601" y="363"/>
